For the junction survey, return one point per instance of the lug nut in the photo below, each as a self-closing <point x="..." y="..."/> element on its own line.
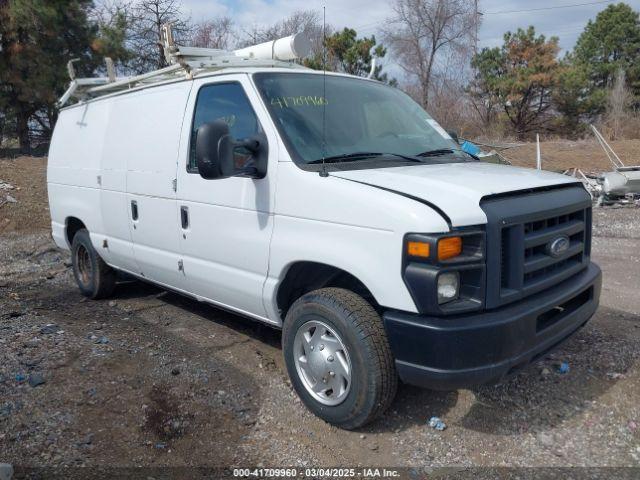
<point x="311" y="347"/>
<point x="321" y="347"/>
<point x="332" y="374"/>
<point x="330" y="358"/>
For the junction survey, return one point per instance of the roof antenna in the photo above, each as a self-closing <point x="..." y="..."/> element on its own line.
<point x="323" y="170"/>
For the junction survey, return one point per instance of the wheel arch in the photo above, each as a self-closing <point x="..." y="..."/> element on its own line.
<point x="72" y="226"/>
<point x="302" y="277"/>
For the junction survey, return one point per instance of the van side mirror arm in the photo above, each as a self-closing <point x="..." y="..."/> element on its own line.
<point x="258" y="146"/>
<point x="251" y="144"/>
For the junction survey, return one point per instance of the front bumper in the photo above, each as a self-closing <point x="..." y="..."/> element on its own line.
<point x="447" y="353"/>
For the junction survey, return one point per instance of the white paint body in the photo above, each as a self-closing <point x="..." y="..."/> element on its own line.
<point x="243" y="233"/>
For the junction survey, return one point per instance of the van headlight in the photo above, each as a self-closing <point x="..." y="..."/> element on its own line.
<point x="445" y="273"/>
<point x="448" y="287"/>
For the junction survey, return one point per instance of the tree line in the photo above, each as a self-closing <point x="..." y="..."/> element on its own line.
<point x="39" y="37"/>
<point x="527" y="88"/>
<point x="516" y="89"/>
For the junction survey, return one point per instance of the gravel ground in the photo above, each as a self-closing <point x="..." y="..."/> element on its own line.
<point x="149" y="378"/>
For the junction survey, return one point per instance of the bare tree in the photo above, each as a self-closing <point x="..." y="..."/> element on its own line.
<point x="150" y="15"/>
<point x="115" y="22"/>
<point x="619" y="102"/>
<point x="216" y="33"/>
<point x="421" y="30"/>
<point x="299" y="21"/>
<point x="485" y="104"/>
<point x="448" y="102"/>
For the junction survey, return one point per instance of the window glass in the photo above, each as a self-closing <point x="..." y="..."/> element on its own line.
<point x="320" y="116"/>
<point x="227" y="102"/>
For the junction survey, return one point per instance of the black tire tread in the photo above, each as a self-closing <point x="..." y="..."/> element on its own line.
<point x="106" y="280"/>
<point x="104" y="276"/>
<point x="370" y="328"/>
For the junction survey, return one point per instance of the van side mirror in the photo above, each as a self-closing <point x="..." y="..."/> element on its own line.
<point x="214" y="153"/>
<point x="454" y="135"/>
<point x="215" y="157"/>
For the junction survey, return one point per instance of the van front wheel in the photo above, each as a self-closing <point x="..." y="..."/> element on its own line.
<point x="95" y="278"/>
<point x="338" y="357"/>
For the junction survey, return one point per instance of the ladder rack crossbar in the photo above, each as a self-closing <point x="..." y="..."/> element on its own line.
<point x="85" y="88"/>
<point x="127" y="82"/>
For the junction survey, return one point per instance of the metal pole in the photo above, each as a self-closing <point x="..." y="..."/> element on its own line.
<point x="538" y="157"/>
<point x="611" y="154"/>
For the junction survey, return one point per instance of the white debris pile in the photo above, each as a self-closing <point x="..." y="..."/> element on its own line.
<point x="6" y="198"/>
<point x="5" y="186"/>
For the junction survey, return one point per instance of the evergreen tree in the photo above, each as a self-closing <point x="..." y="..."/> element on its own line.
<point x="520" y="77"/>
<point x="37" y="39"/>
<point x="347" y="53"/>
<point x="574" y="100"/>
<point x="608" y="44"/>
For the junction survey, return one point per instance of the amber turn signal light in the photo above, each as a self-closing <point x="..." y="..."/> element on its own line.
<point x="449" y="247"/>
<point x="418" y="249"/>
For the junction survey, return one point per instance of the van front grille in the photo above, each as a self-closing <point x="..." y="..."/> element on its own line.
<point x="521" y="230"/>
<point x="540" y="269"/>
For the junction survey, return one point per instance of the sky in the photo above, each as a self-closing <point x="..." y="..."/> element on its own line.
<point x="366" y="16"/>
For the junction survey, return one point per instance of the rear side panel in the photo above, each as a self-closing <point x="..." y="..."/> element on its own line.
<point x="119" y="144"/>
<point x="73" y="173"/>
<point x="105" y="153"/>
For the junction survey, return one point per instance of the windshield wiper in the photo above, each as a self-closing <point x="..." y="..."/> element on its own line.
<point x="346" y="157"/>
<point x="444" y="151"/>
<point x="435" y="153"/>
<point x="352" y="157"/>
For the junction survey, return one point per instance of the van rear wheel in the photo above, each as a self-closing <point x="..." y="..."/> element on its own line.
<point x="95" y="278"/>
<point x="338" y="357"/>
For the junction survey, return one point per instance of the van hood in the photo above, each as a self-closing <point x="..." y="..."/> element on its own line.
<point x="455" y="188"/>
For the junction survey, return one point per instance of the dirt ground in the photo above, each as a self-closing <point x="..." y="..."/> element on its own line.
<point x="586" y="155"/>
<point x="149" y="378"/>
<point x="28" y="177"/>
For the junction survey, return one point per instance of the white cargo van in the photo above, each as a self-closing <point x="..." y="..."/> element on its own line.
<point x="332" y="207"/>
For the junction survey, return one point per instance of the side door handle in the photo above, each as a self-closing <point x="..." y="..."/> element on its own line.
<point x="184" y="217"/>
<point x="134" y="210"/>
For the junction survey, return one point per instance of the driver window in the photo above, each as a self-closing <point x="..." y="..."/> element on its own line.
<point x="227" y="102"/>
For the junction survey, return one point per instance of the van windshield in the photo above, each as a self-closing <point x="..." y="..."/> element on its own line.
<point x="361" y="120"/>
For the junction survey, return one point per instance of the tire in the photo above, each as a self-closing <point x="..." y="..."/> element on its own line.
<point x="95" y="278"/>
<point x="350" y="321"/>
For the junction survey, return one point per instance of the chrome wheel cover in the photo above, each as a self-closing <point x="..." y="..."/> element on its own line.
<point x="322" y="362"/>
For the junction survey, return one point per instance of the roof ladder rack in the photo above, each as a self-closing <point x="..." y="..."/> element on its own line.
<point x="186" y="62"/>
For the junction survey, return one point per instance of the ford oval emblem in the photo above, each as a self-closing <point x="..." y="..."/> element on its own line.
<point x="558" y="246"/>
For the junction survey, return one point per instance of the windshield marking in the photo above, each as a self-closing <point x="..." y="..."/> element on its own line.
<point x="300" y="101"/>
